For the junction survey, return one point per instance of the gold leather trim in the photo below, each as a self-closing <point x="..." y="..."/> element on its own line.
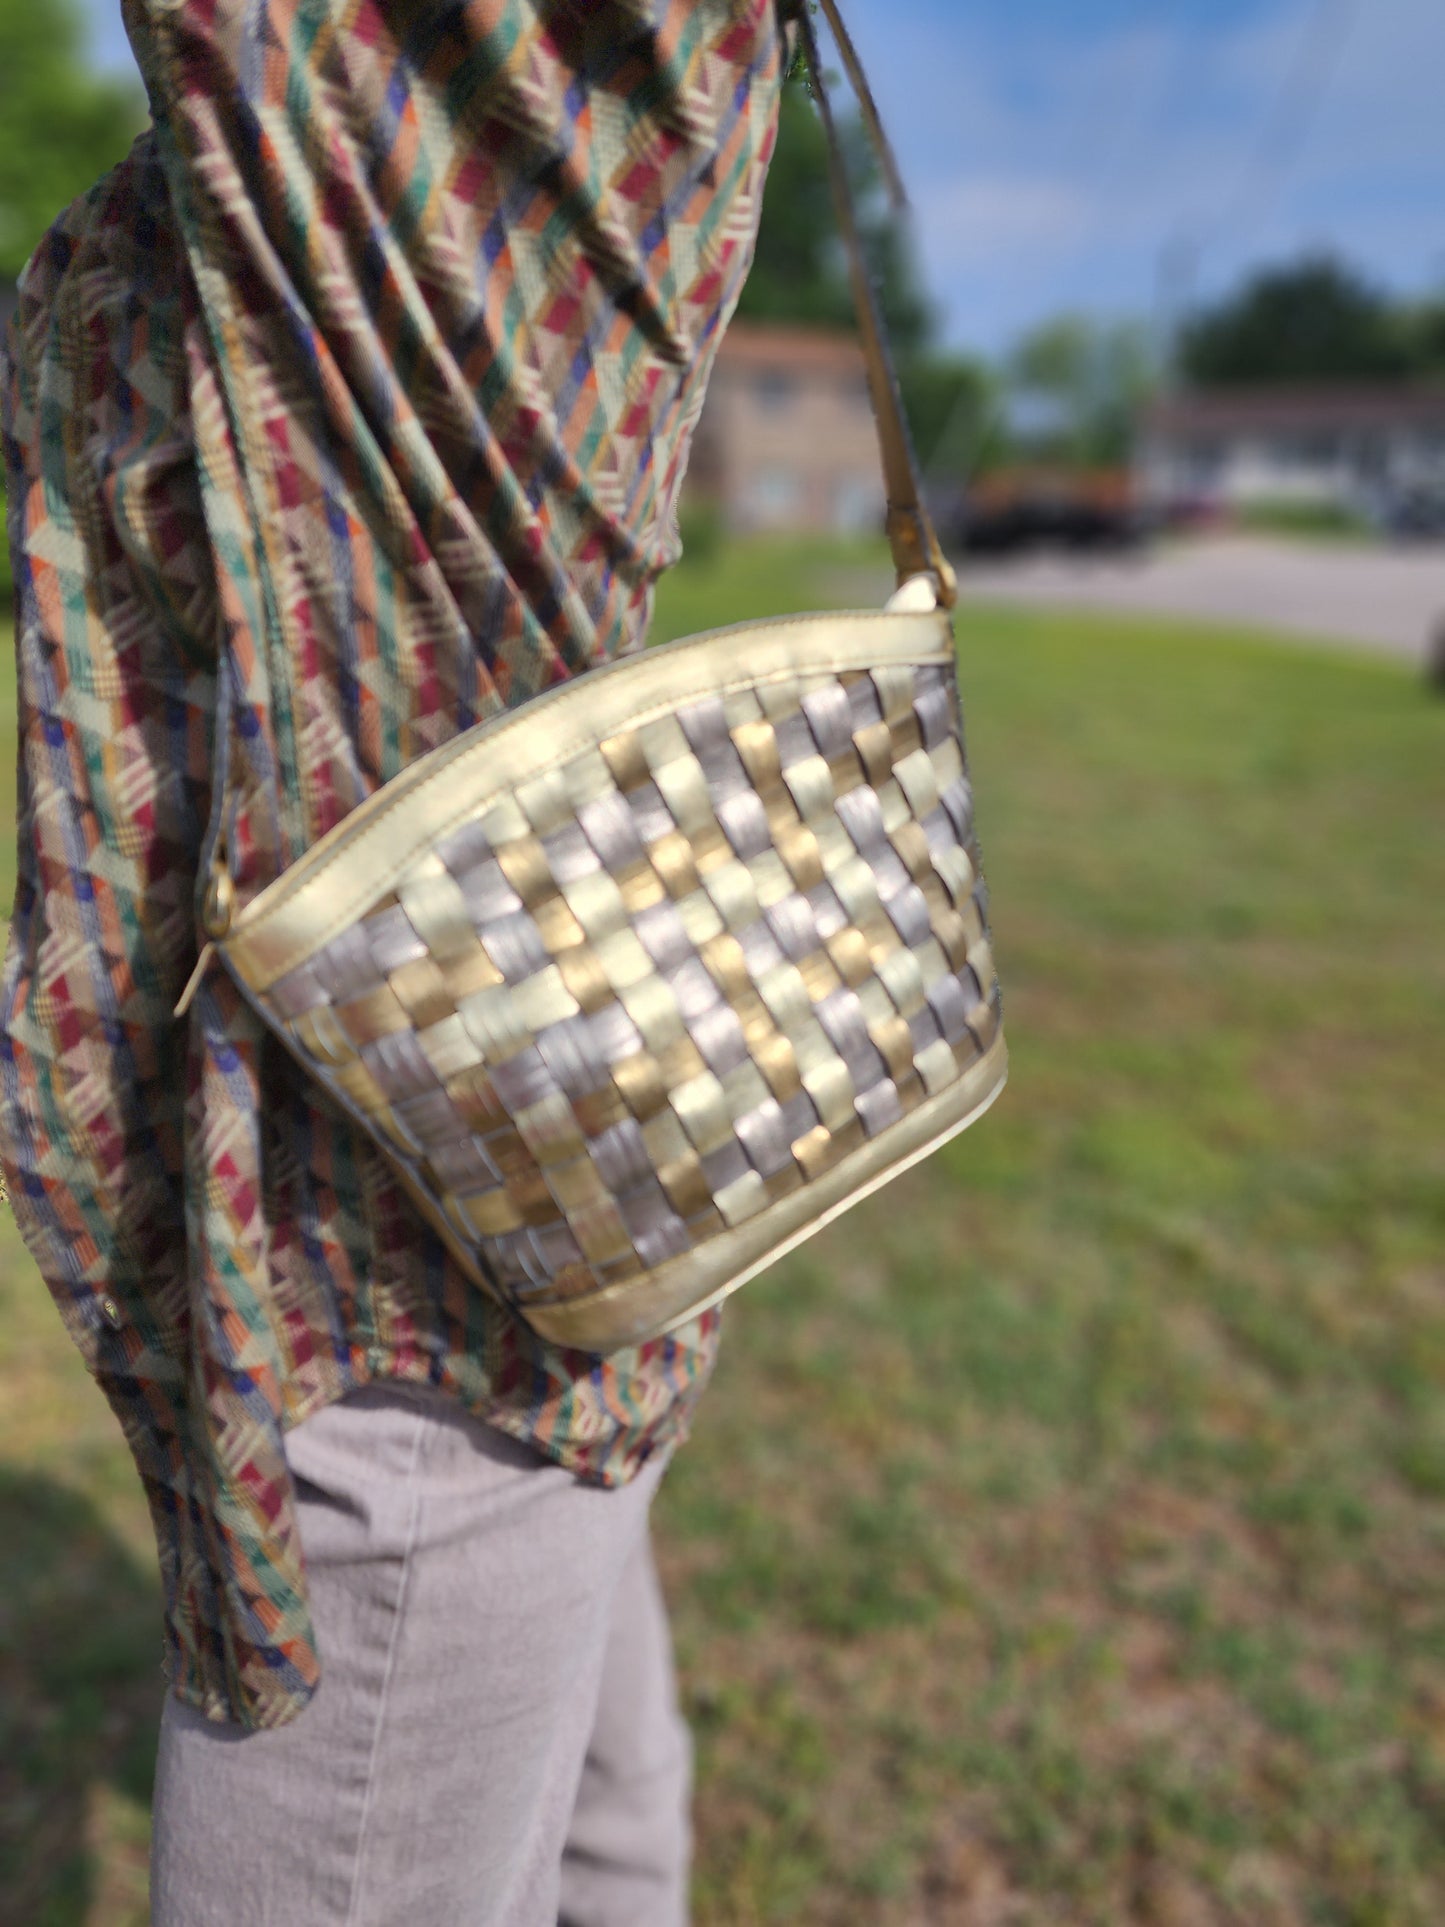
<point x="663" y="1299"/>
<point x="361" y="858"/>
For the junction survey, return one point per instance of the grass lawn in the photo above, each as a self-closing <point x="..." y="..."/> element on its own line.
<point x="1063" y="1538"/>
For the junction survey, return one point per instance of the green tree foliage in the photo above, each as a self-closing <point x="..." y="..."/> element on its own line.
<point x="1424" y="331"/>
<point x="800" y="278"/>
<point x="952" y="408"/>
<point x="1313" y="320"/>
<point x="61" y="126"/>
<point x="800" y="270"/>
<point x="798" y="274"/>
<point x="1076" y="387"/>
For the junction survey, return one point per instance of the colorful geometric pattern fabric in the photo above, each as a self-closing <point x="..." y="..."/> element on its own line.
<point x="367" y="380"/>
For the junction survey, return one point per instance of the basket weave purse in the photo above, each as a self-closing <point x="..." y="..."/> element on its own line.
<point x="639" y="985"/>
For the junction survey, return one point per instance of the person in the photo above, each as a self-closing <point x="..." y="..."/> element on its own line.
<point x="366" y="380"/>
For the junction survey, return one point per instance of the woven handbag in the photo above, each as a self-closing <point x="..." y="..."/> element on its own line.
<point x="640" y="984"/>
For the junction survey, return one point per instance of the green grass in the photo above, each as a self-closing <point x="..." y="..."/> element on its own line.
<point x="1307" y="521"/>
<point x="1062" y="1538"/>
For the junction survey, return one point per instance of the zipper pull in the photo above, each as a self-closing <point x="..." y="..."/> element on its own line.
<point x="220" y="901"/>
<point x="195" y="983"/>
<point x="215" y="920"/>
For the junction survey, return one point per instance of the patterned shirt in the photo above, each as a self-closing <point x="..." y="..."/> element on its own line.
<point x="367" y="380"/>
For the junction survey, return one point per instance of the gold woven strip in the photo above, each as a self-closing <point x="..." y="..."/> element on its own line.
<point x="643" y="1004"/>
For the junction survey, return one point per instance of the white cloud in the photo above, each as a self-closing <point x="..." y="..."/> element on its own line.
<point x="1055" y="170"/>
<point x="970" y="221"/>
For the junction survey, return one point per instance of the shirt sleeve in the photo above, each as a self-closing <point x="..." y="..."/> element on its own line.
<point x="114" y="667"/>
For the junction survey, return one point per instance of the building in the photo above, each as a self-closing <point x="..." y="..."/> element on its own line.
<point x="787" y="439"/>
<point x="1358" y="448"/>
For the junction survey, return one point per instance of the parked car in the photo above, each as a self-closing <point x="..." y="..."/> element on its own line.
<point x="1024" y="508"/>
<point x="1413" y="511"/>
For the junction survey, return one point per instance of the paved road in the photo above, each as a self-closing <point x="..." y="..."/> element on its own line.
<point x="1389" y="599"/>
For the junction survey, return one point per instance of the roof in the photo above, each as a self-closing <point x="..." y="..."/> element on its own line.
<point x="1236" y="410"/>
<point x="795" y="350"/>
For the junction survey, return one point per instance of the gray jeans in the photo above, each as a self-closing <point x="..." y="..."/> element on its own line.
<point x="496" y="1740"/>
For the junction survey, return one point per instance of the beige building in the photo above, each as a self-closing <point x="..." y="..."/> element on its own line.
<point x="787" y="439"/>
<point x="1354" y="447"/>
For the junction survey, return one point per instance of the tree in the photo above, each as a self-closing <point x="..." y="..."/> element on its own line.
<point x="1424" y="330"/>
<point x="797" y="273"/>
<point x="61" y="126"/>
<point x="800" y="269"/>
<point x="1314" y="320"/>
<point x="800" y="276"/>
<point x="950" y="400"/>
<point x="1076" y="387"/>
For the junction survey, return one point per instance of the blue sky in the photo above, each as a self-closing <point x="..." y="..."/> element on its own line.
<point x="1060" y="152"/>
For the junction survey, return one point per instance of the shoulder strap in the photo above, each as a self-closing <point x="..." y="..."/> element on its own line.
<point x="911" y="534"/>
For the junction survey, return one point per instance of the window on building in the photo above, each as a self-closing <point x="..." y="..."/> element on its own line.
<point x="858" y="507"/>
<point x="775" y="388"/>
<point x="1203" y="460"/>
<point x="773" y="498"/>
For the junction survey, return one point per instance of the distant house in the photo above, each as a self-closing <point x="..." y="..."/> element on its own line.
<point x="787" y="440"/>
<point x="1353" y="447"/>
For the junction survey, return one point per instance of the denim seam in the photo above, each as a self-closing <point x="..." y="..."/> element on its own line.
<point x="399" y="1612"/>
